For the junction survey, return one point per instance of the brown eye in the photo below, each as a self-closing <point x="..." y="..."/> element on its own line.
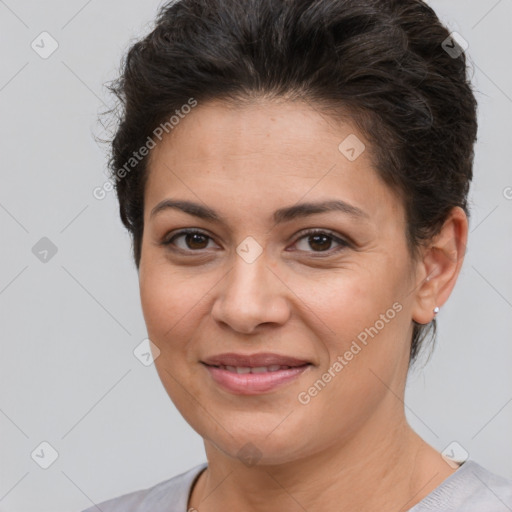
<point x="192" y="240"/>
<point x="320" y="241"/>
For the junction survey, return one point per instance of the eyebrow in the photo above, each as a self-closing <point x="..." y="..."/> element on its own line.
<point x="280" y="216"/>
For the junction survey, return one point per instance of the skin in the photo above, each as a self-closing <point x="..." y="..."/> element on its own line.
<point x="349" y="448"/>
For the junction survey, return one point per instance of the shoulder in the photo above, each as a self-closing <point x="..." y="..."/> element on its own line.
<point x="472" y="488"/>
<point x="167" y="496"/>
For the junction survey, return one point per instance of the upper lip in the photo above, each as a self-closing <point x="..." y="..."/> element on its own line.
<point x="253" y="360"/>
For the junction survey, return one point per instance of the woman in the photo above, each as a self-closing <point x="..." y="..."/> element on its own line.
<point x="294" y="174"/>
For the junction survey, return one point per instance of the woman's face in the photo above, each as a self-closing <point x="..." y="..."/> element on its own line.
<point x="254" y="281"/>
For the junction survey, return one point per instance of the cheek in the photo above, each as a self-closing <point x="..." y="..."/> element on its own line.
<point x="168" y="307"/>
<point x="164" y="301"/>
<point x="351" y="300"/>
<point x="364" y="318"/>
<point x="174" y="302"/>
<point x="159" y="288"/>
<point x="154" y="296"/>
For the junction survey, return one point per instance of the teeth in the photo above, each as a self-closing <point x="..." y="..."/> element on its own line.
<point x="257" y="369"/>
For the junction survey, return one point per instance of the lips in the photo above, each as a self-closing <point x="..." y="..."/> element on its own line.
<point x="254" y="360"/>
<point x="254" y="373"/>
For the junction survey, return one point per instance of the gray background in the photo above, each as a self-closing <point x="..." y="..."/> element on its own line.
<point x="70" y="325"/>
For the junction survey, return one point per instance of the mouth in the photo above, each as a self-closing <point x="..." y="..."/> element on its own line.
<point x="254" y="374"/>
<point x="261" y="360"/>
<point x="256" y="369"/>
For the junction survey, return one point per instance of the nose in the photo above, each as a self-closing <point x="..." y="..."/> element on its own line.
<point x="250" y="295"/>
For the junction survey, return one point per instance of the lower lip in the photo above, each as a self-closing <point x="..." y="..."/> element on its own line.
<point x="254" y="383"/>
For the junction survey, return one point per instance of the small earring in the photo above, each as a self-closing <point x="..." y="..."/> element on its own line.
<point x="436" y="310"/>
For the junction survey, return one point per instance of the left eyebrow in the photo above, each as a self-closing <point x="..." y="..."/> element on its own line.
<point x="280" y="216"/>
<point x="306" y="209"/>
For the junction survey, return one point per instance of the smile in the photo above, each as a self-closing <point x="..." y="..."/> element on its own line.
<point x="258" y="369"/>
<point x="243" y="380"/>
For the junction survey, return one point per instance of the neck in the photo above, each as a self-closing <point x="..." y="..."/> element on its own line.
<point x="385" y="468"/>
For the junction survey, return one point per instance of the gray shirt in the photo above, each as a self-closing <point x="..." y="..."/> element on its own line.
<point x="471" y="488"/>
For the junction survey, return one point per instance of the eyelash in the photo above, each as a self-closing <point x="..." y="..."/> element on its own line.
<point x="343" y="243"/>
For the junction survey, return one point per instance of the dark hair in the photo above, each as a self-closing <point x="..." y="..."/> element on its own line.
<point x="384" y="62"/>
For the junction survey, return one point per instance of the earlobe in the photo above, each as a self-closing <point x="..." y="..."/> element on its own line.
<point x="440" y="267"/>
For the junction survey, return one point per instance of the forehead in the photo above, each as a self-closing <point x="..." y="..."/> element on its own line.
<point x="220" y="131"/>
<point x="261" y="154"/>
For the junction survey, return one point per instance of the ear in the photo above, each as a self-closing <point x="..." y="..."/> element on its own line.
<point x="440" y="266"/>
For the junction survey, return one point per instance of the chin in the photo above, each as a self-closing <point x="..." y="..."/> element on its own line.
<point x="256" y="443"/>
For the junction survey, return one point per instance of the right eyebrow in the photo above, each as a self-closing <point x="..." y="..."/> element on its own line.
<point x="195" y="209"/>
